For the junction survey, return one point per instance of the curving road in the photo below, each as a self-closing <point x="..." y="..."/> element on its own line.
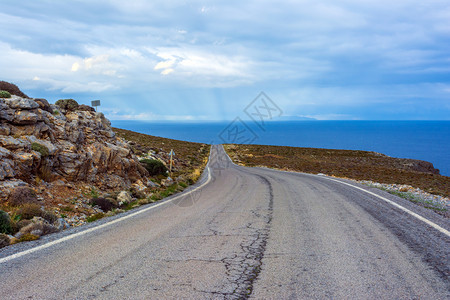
<point x="244" y="232"/>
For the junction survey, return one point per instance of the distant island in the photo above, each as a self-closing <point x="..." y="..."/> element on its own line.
<point x="294" y="118"/>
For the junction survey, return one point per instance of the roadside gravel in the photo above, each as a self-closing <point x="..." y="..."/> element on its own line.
<point x="435" y="202"/>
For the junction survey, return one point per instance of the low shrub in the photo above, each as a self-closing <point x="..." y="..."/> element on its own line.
<point x="103" y="203"/>
<point x="14" y="216"/>
<point x="67" y="208"/>
<point x="156" y="197"/>
<point x="169" y="191"/>
<point x="29" y="211"/>
<point x="144" y="201"/>
<point x="183" y="185"/>
<point x="42" y="149"/>
<point x="12" y="89"/>
<point x="95" y="217"/>
<point x="135" y="193"/>
<point x="5" y="94"/>
<point x="67" y="104"/>
<point x="195" y="175"/>
<point x="154" y="167"/>
<point x="160" y="177"/>
<point x="5" y="223"/>
<point x="130" y="205"/>
<point x="28" y="237"/>
<point x="94" y="193"/>
<point x="4" y="240"/>
<point x="22" y="195"/>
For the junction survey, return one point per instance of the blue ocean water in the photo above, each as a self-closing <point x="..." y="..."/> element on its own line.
<point x="424" y="140"/>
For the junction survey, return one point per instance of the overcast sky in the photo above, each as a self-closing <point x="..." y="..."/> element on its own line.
<point x="206" y="60"/>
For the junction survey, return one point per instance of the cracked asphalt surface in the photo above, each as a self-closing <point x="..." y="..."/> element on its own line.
<point x="248" y="233"/>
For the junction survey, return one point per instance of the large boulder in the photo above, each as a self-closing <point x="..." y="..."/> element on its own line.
<point x="38" y="227"/>
<point x="20" y="103"/>
<point x="43" y="104"/>
<point x="4" y="240"/>
<point x="61" y="224"/>
<point x="83" y="107"/>
<point x="25" y="118"/>
<point x="124" y="197"/>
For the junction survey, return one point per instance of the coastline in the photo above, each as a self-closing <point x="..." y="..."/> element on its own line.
<point x="413" y="180"/>
<point x="422" y="140"/>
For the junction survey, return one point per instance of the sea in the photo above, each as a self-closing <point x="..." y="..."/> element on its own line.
<point x="423" y="140"/>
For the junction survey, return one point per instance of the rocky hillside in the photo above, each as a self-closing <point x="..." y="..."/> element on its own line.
<point x="63" y="165"/>
<point x="65" y="143"/>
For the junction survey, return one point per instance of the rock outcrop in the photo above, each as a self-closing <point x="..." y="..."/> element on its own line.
<point x="43" y="142"/>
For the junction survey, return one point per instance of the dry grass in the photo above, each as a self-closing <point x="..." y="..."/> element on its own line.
<point x="195" y="175"/>
<point x="361" y="165"/>
<point x="26" y="238"/>
<point x="22" y="195"/>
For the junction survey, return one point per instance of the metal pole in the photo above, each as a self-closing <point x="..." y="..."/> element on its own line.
<point x="171" y="161"/>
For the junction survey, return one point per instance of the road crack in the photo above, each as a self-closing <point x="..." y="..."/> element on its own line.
<point x="244" y="267"/>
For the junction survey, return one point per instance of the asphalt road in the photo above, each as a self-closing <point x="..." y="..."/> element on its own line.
<point x="247" y="232"/>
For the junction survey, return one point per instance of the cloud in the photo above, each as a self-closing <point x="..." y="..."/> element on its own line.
<point x="167" y="71"/>
<point x="57" y="72"/>
<point x="166" y="65"/>
<point x="99" y="64"/>
<point x="334" y="54"/>
<point x="205" y="9"/>
<point x="21" y="64"/>
<point x="75" y="67"/>
<point x="197" y="67"/>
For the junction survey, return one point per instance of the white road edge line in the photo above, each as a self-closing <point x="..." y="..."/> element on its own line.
<point x="72" y="236"/>
<point x="434" y="225"/>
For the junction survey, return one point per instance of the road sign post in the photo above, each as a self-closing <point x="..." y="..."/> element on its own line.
<point x="95" y="103"/>
<point x="172" y="153"/>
